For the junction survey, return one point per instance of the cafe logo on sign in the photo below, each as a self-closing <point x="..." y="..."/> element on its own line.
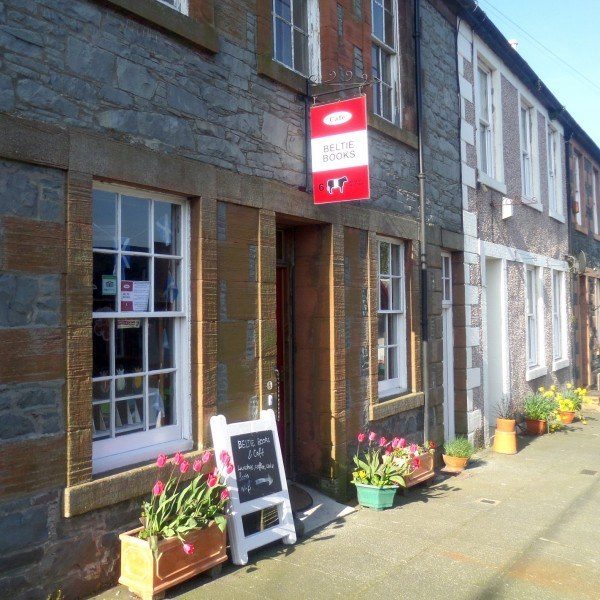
<point x="340" y="151"/>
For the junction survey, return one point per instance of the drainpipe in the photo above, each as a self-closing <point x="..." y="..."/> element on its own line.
<point x="422" y="224"/>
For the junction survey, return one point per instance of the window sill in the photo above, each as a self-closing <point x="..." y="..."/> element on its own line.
<point x="281" y="74"/>
<point x="490" y="182"/>
<point x="393" y="131"/>
<point x="580" y="228"/>
<point x="535" y="373"/>
<point x="395" y="404"/>
<point x="561" y="363"/>
<point x="531" y="203"/>
<point x="195" y="31"/>
<point x="117" y="487"/>
<point x="557" y="217"/>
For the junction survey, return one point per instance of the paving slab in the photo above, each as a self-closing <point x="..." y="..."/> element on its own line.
<point x="536" y="536"/>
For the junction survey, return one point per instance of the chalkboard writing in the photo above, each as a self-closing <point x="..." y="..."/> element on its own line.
<point x="256" y="467"/>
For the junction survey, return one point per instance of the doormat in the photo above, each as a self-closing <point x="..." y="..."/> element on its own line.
<point x="299" y="498"/>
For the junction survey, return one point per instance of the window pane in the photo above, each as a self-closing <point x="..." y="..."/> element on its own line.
<point x="392" y="329"/>
<point x="283" y="9"/>
<point x="396" y="295"/>
<point x="386" y="68"/>
<point x="101" y="347"/>
<point x="129" y="346"/>
<point x="104" y="207"/>
<point x="283" y="42"/>
<point x="381" y="364"/>
<point x="387" y="108"/>
<point x="161" y="400"/>
<point x="381" y="330"/>
<point x="167" y="224"/>
<point x="101" y="390"/>
<point x="166" y="284"/>
<point x="378" y="20"/>
<point x="375" y="53"/>
<point x="384" y="258"/>
<point x="134" y="269"/>
<point x="135" y="216"/>
<point x="129" y="416"/>
<point x="384" y="294"/>
<point x="101" y="420"/>
<point x="483" y="150"/>
<point x="396" y="267"/>
<point x="161" y="343"/>
<point x="392" y="363"/>
<point x="300" y="17"/>
<point x="483" y="95"/>
<point x="300" y="51"/>
<point x="104" y="282"/>
<point x="129" y="386"/>
<point x="389" y="25"/>
<point x="524" y="128"/>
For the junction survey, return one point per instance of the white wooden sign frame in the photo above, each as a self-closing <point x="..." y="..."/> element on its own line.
<point x="284" y="530"/>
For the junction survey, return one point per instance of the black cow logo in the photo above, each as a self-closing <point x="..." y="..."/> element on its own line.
<point x="336" y="184"/>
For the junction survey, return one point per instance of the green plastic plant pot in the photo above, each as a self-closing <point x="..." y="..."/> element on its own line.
<point x="375" y="497"/>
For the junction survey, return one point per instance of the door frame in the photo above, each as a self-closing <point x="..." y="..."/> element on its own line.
<point x="448" y="350"/>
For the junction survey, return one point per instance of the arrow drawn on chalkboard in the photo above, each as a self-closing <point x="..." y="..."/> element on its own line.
<point x="268" y="480"/>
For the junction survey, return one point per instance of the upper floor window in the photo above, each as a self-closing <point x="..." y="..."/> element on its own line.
<point x="384" y="58"/>
<point x="533" y="301"/>
<point x="391" y="337"/>
<point x="554" y="182"/>
<point x="595" y="200"/>
<point x="577" y="208"/>
<point x="526" y="128"/>
<point x="485" y="125"/>
<point x="139" y="327"/>
<point x="180" y="5"/>
<point x="295" y="35"/>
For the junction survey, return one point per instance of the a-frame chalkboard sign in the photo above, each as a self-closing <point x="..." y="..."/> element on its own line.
<point x="257" y="482"/>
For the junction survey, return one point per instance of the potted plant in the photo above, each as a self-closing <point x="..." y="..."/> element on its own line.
<point x="570" y="403"/>
<point x="505" y="437"/>
<point x="538" y="408"/>
<point x="420" y="459"/>
<point x="378" y="473"/>
<point x="457" y="453"/>
<point x="183" y="528"/>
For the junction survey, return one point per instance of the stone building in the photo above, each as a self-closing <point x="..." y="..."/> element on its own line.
<point x="584" y="194"/>
<point x="515" y="215"/>
<point x="162" y="261"/>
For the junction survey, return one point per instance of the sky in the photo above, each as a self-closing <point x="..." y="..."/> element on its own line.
<point x="570" y="29"/>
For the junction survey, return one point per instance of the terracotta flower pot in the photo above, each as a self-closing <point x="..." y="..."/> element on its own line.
<point x="566" y="416"/>
<point x="454" y="464"/>
<point x="536" y="426"/>
<point x="506" y="424"/>
<point x="425" y="472"/>
<point x="505" y="442"/>
<point x="149" y="576"/>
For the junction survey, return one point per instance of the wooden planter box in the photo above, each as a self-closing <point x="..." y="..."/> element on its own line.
<point x="425" y="472"/>
<point x="149" y="577"/>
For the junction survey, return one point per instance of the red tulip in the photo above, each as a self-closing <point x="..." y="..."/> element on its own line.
<point x="184" y="466"/>
<point x="388" y="450"/>
<point x="361" y="437"/>
<point x="178" y="458"/>
<point x="206" y="457"/>
<point x="224" y="495"/>
<point x="189" y="548"/>
<point x="197" y="466"/>
<point x="211" y="480"/>
<point x="159" y="488"/>
<point x="382" y="442"/>
<point x="416" y="463"/>
<point x="161" y="461"/>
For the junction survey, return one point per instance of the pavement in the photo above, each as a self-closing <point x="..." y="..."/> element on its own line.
<point x="525" y="526"/>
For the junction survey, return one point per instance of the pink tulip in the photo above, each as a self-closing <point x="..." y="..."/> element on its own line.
<point x="206" y="457"/>
<point x="229" y="469"/>
<point x="388" y="450"/>
<point x="211" y="480"/>
<point x="159" y="488"/>
<point x="402" y="443"/>
<point x="178" y="458"/>
<point x="395" y="442"/>
<point x="382" y="442"/>
<point x="413" y="448"/>
<point x="184" y="466"/>
<point x="224" y="495"/>
<point x="225" y="458"/>
<point x="161" y="461"/>
<point x="372" y="436"/>
<point x="361" y="437"/>
<point x="189" y="548"/>
<point x="197" y="466"/>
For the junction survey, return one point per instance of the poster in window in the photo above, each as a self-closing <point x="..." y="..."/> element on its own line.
<point x="135" y="295"/>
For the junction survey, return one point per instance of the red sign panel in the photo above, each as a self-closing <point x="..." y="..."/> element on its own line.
<point x="340" y="151"/>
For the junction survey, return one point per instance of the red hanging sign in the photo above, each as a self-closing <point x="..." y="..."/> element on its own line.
<point x="340" y="151"/>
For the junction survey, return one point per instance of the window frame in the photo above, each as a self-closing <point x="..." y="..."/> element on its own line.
<point x="559" y="322"/>
<point x="555" y="199"/>
<point x="596" y="217"/>
<point x="526" y="130"/>
<point x="312" y="36"/>
<point x="393" y="387"/>
<point x="380" y="47"/>
<point x="578" y="196"/>
<point x="486" y="125"/>
<point x="126" y="450"/>
<point x="534" y="313"/>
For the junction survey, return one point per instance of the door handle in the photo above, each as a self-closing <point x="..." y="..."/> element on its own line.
<point x="277" y="384"/>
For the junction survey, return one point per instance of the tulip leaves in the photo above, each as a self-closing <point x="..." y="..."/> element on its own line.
<point x="380" y="469"/>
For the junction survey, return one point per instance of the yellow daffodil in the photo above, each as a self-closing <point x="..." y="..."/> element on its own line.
<point x="541" y="389"/>
<point x="569" y="386"/>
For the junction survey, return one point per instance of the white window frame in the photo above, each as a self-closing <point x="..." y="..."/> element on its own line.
<point x="446" y="279"/>
<point x="577" y="188"/>
<point x="381" y="47"/>
<point x="555" y="198"/>
<point x="399" y="384"/>
<point x="596" y="224"/>
<point x="115" y="452"/>
<point x="560" y="358"/>
<point x="528" y="154"/>
<point x="534" y="323"/>
<point x="312" y="34"/>
<point x="486" y="126"/>
<point x="181" y="6"/>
